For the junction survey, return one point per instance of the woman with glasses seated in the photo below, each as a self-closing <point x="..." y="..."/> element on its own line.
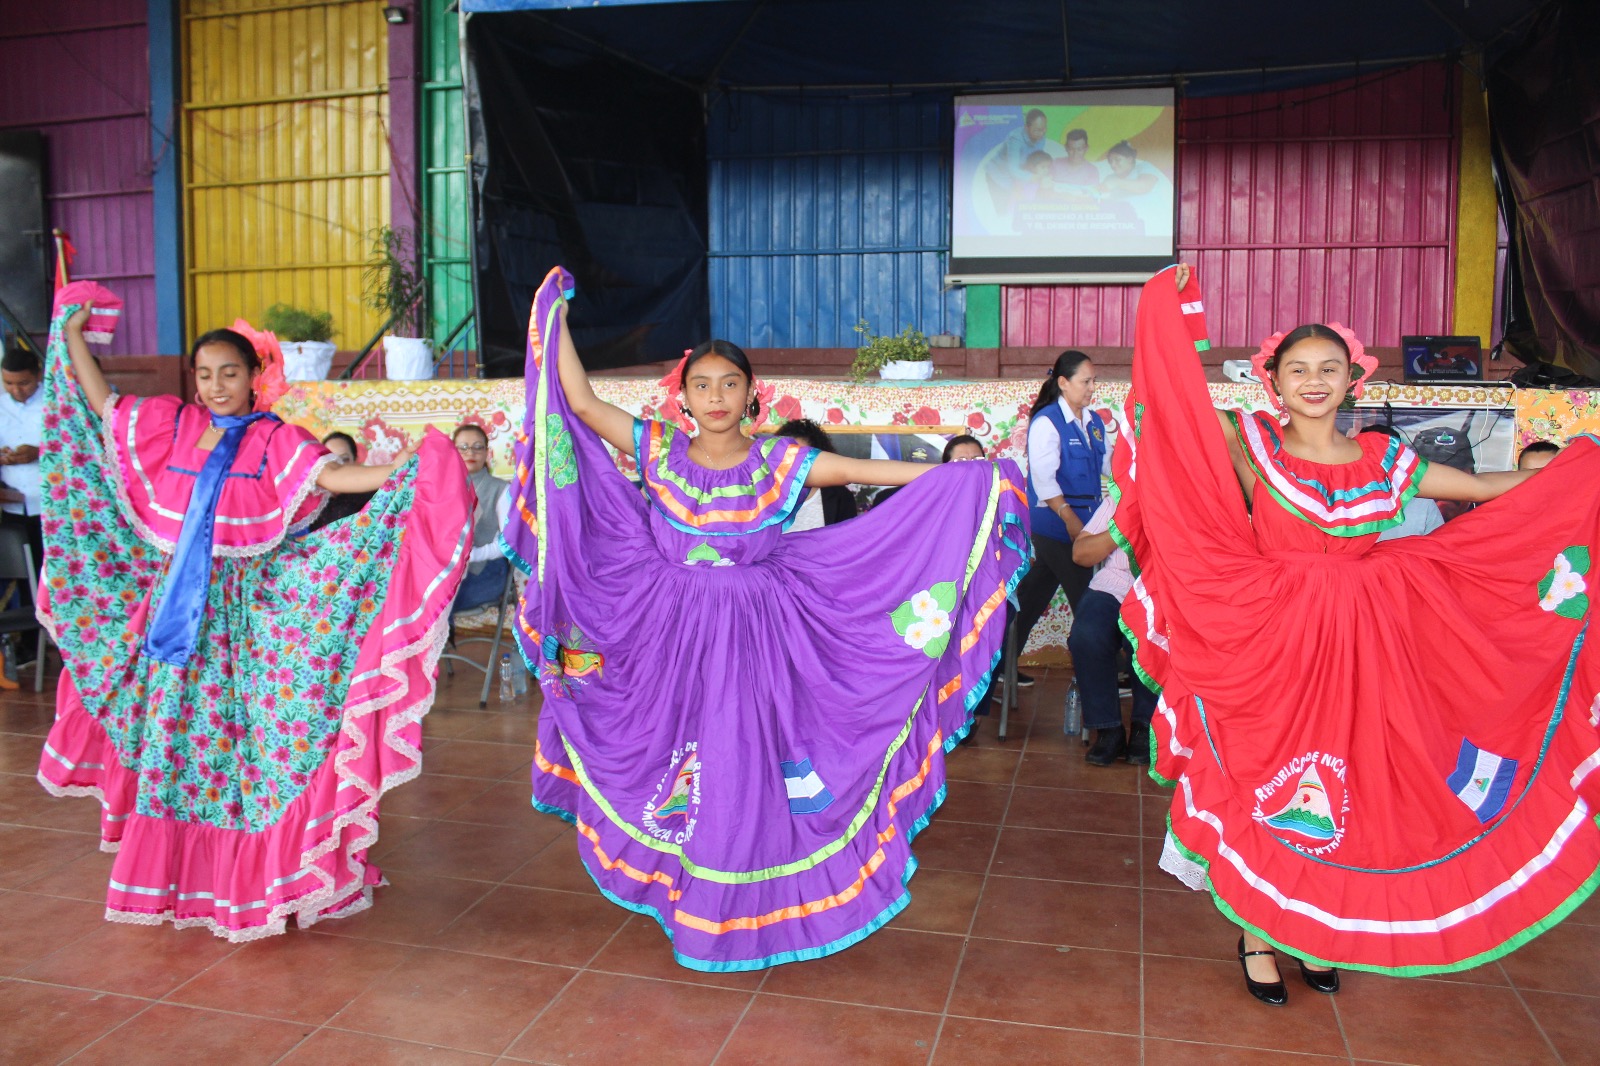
<point x="486" y="573"/>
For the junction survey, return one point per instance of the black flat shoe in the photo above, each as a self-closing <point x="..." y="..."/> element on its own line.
<point x="1139" y="745"/>
<point x="1272" y="993"/>
<point x="1109" y="746"/>
<point x="1325" y="981"/>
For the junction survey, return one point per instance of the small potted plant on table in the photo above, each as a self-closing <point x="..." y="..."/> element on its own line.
<point x="393" y="285"/>
<point x="306" y="339"/>
<point x="902" y="358"/>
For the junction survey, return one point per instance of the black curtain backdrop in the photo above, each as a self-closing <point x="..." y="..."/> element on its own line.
<point x="1544" y="108"/>
<point x="594" y="164"/>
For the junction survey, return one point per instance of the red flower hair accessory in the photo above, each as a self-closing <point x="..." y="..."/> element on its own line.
<point x="1362" y="365"/>
<point x="271" y="383"/>
<point x="673" y="381"/>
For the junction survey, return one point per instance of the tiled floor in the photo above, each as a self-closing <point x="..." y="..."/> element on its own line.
<point x="1040" y="932"/>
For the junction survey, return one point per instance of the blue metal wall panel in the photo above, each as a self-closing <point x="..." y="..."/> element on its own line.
<point x="824" y="212"/>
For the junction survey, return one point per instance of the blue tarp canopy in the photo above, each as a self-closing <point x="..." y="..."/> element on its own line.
<point x="1225" y="47"/>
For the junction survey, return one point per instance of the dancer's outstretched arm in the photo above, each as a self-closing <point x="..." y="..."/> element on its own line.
<point x="356" y="479"/>
<point x="90" y="379"/>
<point x="614" y="425"/>
<point x="831" y="469"/>
<point x="1442" y="482"/>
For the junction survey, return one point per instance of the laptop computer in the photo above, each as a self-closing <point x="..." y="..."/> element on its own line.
<point x="1442" y="358"/>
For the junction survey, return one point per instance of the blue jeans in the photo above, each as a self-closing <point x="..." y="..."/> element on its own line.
<point x="1096" y="643"/>
<point x="482" y="587"/>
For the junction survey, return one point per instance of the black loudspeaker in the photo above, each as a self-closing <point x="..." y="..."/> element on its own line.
<point x="25" y="244"/>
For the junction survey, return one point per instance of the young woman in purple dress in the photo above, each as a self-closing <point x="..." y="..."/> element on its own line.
<point x="747" y="729"/>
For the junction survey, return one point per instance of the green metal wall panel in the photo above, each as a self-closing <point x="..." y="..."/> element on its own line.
<point x="446" y="225"/>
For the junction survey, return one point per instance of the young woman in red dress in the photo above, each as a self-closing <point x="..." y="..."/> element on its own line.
<point x="1386" y="756"/>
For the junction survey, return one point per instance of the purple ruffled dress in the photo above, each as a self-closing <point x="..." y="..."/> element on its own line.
<point x="748" y="729"/>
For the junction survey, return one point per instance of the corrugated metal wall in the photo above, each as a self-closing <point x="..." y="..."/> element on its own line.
<point x="824" y="212"/>
<point x="447" y="228"/>
<point x="287" y="164"/>
<point x="79" y="72"/>
<point x="1329" y="203"/>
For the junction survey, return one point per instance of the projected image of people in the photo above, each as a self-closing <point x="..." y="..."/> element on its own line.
<point x="1140" y="185"/>
<point x="1075" y="168"/>
<point x="1012" y="168"/>
<point x="1063" y="182"/>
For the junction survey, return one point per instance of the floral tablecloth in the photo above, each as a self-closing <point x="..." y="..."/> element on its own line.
<point x="1556" y="416"/>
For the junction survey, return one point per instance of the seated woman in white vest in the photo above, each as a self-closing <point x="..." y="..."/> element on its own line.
<point x="486" y="573"/>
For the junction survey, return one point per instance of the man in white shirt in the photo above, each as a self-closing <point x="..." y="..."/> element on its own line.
<point x="21" y="433"/>
<point x="1096" y="643"/>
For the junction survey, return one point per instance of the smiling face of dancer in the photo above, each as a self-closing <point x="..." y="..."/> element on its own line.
<point x="1312" y="376"/>
<point x="225" y="377"/>
<point x="1311" y="372"/>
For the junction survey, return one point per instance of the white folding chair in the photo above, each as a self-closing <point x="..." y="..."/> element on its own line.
<point x="507" y="597"/>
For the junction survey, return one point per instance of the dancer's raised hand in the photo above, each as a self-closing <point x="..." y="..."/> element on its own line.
<point x="90" y="379"/>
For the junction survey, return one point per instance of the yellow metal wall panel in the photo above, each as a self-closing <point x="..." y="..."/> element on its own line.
<point x="1477" y="218"/>
<point x="287" y="157"/>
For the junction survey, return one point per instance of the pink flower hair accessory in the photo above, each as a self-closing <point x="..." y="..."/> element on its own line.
<point x="1363" y="366"/>
<point x="272" y="383"/>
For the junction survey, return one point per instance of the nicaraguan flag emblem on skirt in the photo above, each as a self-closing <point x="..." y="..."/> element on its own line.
<point x="807" y="793"/>
<point x="1482" y="780"/>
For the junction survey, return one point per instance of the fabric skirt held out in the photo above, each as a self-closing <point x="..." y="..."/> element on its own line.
<point x="748" y="728"/>
<point x="1386" y="756"/>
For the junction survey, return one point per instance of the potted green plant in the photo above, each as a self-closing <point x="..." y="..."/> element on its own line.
<point x="896" y="358"/>
<point x="305" y="337"/>
<point x="392" y="285"/>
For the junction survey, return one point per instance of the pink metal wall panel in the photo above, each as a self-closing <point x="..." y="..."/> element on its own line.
<point x="1334" y="203"/>
<point x="79" y="72"/>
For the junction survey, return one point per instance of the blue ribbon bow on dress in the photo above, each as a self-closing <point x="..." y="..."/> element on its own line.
<point x="176" y="628"/>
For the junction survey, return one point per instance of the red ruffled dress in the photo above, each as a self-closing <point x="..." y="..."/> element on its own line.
<point x="1385" y="755"/>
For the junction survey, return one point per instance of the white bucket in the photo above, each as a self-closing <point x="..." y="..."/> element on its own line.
<point x="906" y="370"/>
<point x="307" y="360"/>
<point x="407" y="358"/>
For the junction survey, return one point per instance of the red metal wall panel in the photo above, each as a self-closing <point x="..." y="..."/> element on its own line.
<point x="1333" y="203"/>
<point x="79" y="72"/>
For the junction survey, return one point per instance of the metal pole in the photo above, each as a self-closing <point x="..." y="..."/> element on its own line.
<point x="1008" y="677"/>
<point x="469" y="83"/>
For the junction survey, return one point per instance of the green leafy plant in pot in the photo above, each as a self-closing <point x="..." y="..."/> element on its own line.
<point x="393" y="285"/>
<point x="306" y="339"/>
<point x="896" y="358"/>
